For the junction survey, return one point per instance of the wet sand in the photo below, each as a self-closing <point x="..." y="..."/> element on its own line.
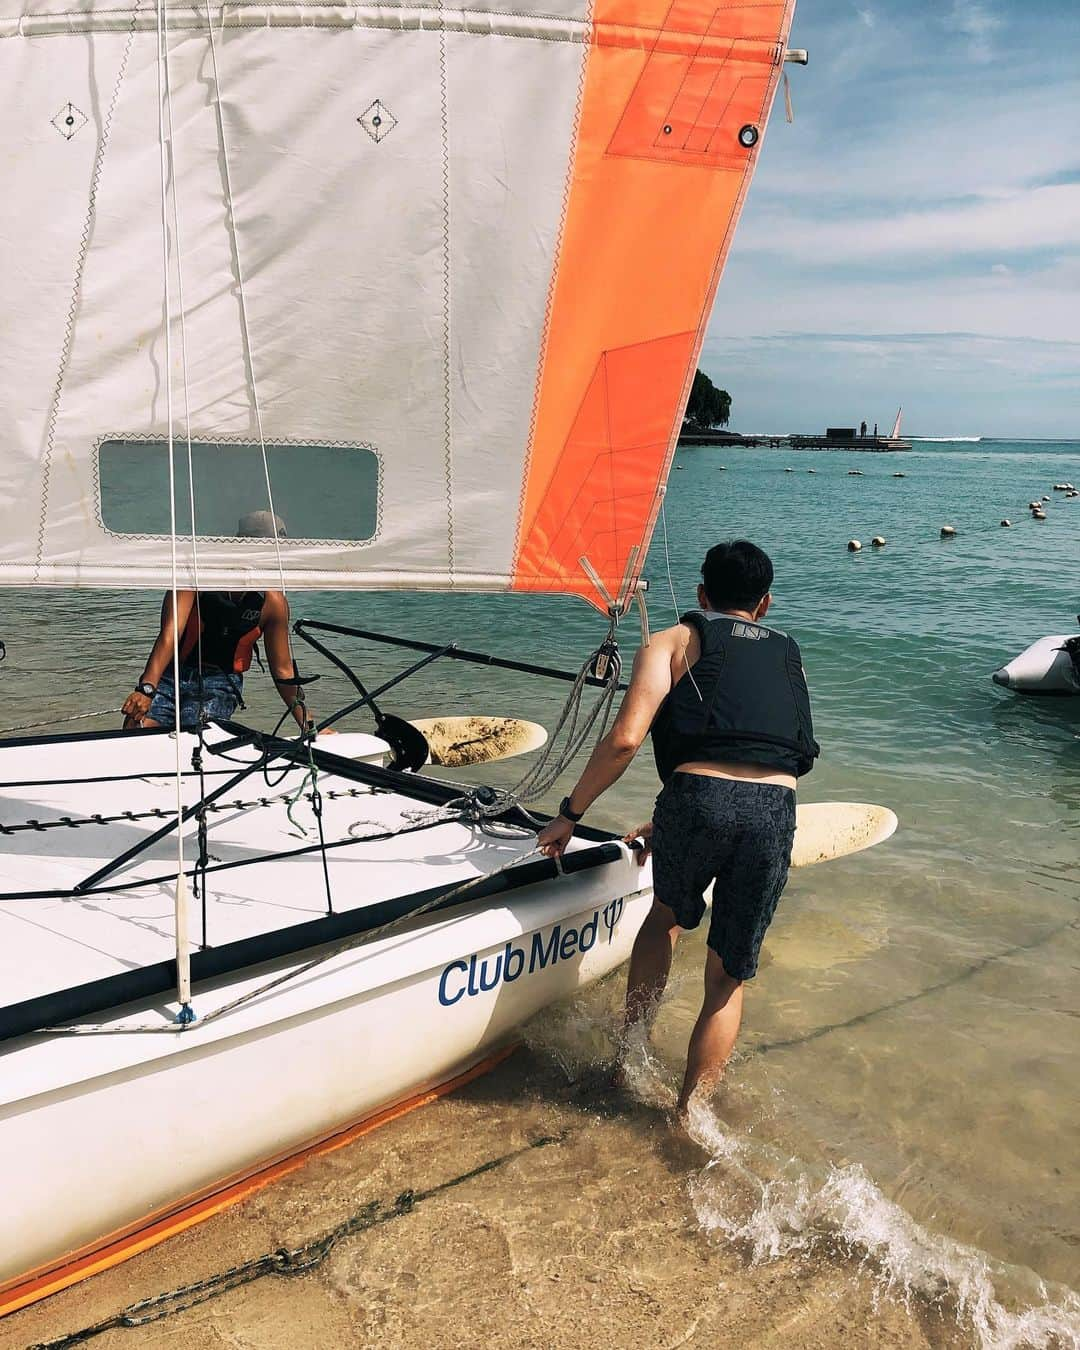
<point x="588" y="1241"/>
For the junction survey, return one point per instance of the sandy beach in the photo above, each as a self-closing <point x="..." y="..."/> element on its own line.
<point x="588" y="1241"/>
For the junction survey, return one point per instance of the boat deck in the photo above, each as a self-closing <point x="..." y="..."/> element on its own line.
<point x="52" y="942"/>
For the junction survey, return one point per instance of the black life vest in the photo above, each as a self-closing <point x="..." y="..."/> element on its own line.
<point x="222" y="629"/>
<point x="747" y="702"/>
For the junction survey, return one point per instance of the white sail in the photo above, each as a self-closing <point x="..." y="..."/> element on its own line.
<point x="434" y="262"/>
<point x="895" y="433"/>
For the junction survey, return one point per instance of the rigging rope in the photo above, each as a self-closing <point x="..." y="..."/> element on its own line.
<point x="183" y="952"/>
<point x="199" y="874"/>
<point x="671" y="586"/>
<point x="249" y="355"/>
<point x="339" y="949"/>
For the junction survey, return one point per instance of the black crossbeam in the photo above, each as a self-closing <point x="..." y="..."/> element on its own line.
<point x="271" y="747"/>
<point x="453" y="653"/>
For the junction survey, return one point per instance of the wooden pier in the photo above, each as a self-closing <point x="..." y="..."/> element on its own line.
<point x="830" y="441"/>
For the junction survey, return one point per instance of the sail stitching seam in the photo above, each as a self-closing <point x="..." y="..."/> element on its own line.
<point x="599" y="33"/>
<point x="73" y="307"/>
<point x="448" y="447"/>
<point x="549" y="306"/>
<point x="249" y="355"/>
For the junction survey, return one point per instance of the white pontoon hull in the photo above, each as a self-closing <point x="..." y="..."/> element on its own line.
<point x="99" y="1131"/>
<point x="1046" y="667"/>
<point x="157" y="1122"/>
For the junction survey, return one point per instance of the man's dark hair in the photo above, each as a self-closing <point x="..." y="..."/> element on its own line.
<point x="736" y="574"/>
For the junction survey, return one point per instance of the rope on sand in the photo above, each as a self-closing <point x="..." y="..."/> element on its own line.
<point x="285" y="1260"/>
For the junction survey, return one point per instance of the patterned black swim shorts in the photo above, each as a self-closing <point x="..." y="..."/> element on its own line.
<point x="735" y="835"/>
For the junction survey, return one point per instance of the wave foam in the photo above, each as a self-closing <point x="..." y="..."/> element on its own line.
<point x="844" y="1209"/>
<point x="945" y="440"/>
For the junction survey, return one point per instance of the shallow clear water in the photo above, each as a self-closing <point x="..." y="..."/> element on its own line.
<point x="908" y="1074"/>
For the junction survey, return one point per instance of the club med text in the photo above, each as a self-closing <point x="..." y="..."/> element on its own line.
<point x="467" y="978"/>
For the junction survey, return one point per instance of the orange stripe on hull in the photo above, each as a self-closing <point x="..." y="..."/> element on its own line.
<point x="116" y="1248"/>
<point x="658" y="180"/>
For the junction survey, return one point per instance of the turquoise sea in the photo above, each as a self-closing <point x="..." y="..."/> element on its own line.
<point x="907" y="1087"/>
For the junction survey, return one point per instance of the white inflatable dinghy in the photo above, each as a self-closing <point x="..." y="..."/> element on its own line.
<point x="1049" y="666"/>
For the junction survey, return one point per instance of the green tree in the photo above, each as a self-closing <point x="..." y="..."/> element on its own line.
<point x="707" y="406"/>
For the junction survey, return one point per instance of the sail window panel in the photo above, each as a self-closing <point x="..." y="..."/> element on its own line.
<point x="321" y="493"/>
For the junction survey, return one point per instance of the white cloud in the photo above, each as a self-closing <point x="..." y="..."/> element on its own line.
<point x="1045" y="217"/>
<point x="949" y="383"/>
<point x="975" y="22"/>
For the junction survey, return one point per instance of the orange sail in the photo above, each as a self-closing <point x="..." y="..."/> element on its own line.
<point x="675" y="101"/>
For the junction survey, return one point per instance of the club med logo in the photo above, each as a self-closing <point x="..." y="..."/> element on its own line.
<point x="465" y="979"/>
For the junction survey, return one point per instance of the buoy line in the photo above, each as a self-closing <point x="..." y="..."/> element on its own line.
<point x="950" y="532"/>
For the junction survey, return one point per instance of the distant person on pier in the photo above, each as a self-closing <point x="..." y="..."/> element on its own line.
<point x="725" y="701"/>
<point x="862" y="430"/>
<point x="875" y="428"/>
<point x="218" y="632"/>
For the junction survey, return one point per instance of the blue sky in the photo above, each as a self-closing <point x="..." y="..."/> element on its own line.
<point x="914" y="236"/>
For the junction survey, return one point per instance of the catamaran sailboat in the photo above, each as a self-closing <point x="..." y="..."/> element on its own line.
<point x="430" y="284"/>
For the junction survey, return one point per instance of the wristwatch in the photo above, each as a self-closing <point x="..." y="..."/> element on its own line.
<point x="145" y="688"/>
<point x="567" y="814"/>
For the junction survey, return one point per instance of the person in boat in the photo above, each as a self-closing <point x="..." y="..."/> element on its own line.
<point x="726" y="703"/>
<point x="218" y="633"/>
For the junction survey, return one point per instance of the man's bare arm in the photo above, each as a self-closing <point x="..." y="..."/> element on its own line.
<point x="650" y="684"/>
<point x="136" y="705"/>
<point x="275" y="626"/>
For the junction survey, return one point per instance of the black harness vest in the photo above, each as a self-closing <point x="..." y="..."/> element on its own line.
<point x="223" y="629"/>
<point x="745" y="701"/>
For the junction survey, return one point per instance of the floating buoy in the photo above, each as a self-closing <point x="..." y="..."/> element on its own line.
<point x="1038" y="515"/>
<point x="1061" y="487"/>
<point x="1034" y="506"/>
<point x="853" y="545"/>
<point x="1073" y="493"/>
<point x="811" y="471"/>
<point x="721" y="466"/>
<point x="899" y="475"/>
<point x="789" y="470"/>
<point x="1007" y="524"/>
<point x="947" y="531"/>
<point x="854" y="473"/>
<point x="878" y="541"/>
<point x="1045" y="498"/>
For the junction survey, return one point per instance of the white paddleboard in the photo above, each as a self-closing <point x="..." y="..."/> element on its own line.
<point x="827" y="830"/>
<point x="459" y="741"/>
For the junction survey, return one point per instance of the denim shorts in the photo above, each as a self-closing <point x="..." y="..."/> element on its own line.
<point x="220" y="696"/>
<point x="732" y="834"/>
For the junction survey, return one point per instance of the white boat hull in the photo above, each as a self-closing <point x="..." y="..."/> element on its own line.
<point x="130" y="1119"/>
<point x="155" y="1127"/>
<point x="99" y="1131"/>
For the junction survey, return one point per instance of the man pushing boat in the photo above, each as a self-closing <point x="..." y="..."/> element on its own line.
<point x="218" y="632"/>
<point x="725" y="701"/>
